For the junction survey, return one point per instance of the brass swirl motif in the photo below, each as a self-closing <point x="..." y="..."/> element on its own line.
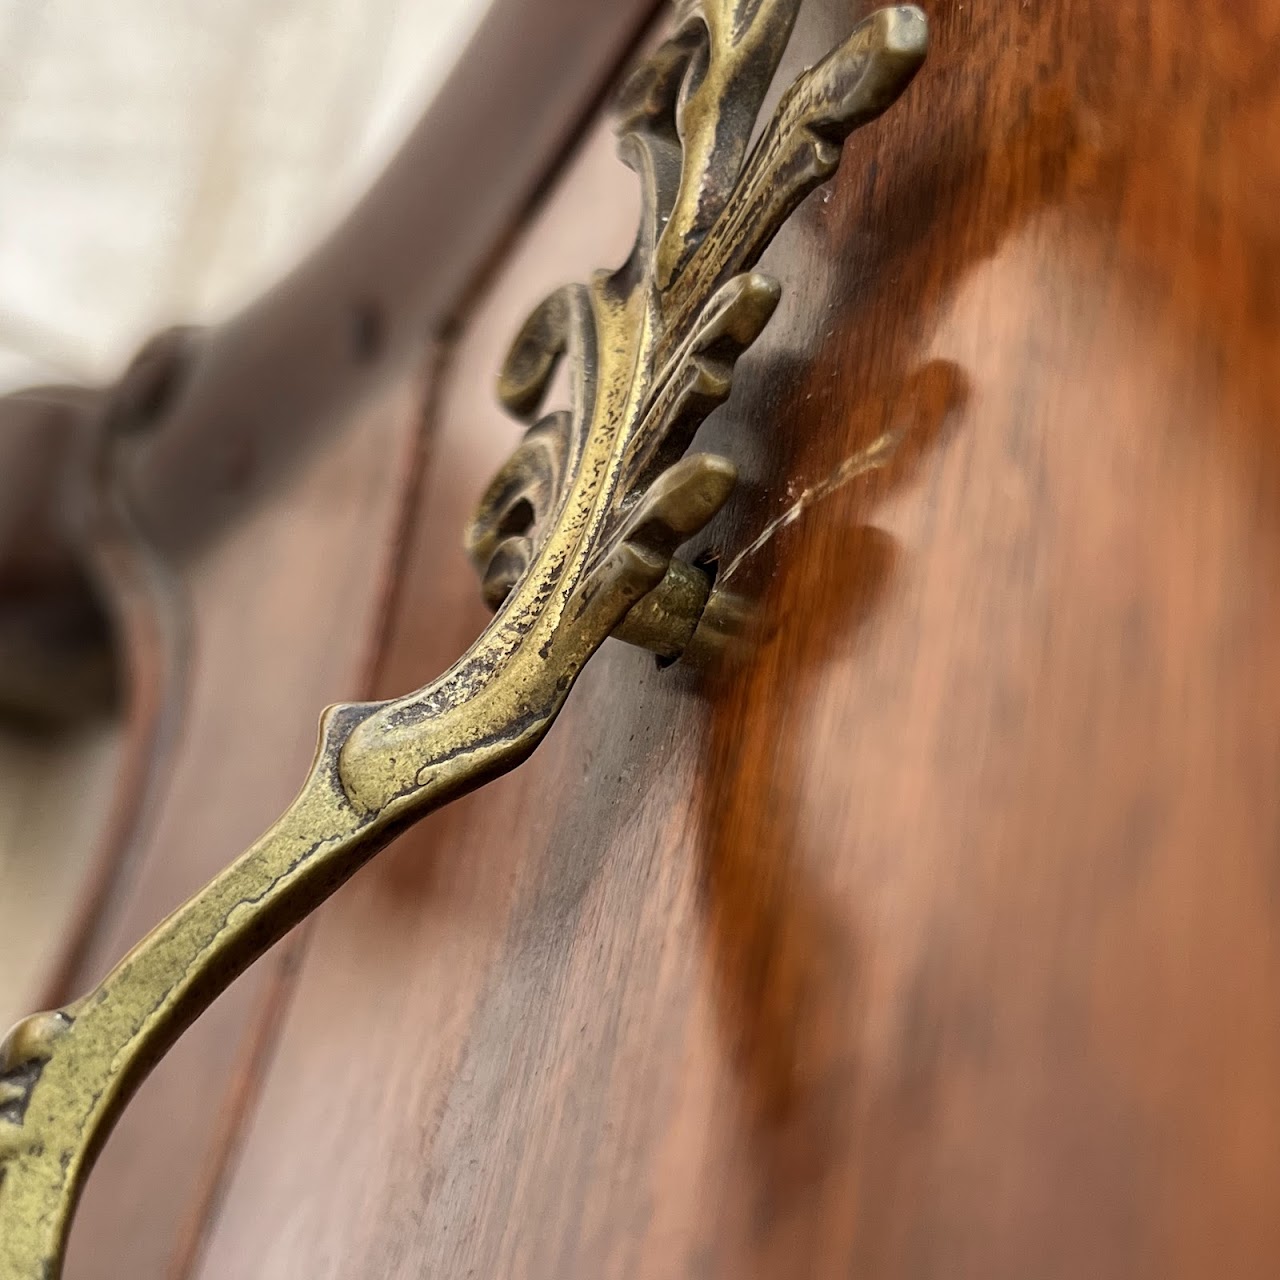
<point x="575" y="539"/>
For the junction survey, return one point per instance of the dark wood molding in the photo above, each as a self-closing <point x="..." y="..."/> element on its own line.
<point x="271" y="382"/>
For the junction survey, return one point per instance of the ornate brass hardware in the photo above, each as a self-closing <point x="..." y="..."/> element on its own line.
<point x="575" y="540"/>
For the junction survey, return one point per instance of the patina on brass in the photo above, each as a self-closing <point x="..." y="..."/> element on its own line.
<point x="575" y="541"/>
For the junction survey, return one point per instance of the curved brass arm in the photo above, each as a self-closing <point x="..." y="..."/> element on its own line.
<point x="575" y="540"/>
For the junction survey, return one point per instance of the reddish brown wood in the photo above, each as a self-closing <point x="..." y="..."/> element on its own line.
<point x="934" y="935"/>
<point x="283" y="612"/>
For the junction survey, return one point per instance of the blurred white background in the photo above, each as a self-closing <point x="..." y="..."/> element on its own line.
<point x="162" y="160"/>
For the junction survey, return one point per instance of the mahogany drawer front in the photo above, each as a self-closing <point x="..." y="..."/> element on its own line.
<point x="923" y="928"/>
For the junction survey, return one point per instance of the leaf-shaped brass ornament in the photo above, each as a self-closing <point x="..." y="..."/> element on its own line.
<point x="575" y="541"/>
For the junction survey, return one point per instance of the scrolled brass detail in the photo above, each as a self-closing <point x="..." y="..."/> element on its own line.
<point x="575" y="540"/>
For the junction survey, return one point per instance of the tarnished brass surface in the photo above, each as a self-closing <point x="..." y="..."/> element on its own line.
<point x="575" y="540"/>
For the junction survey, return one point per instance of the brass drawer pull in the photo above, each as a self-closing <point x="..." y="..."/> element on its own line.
<point x="575" y="540"/>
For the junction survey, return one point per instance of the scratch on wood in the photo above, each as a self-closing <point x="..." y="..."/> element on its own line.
<point x="876" y="455"/>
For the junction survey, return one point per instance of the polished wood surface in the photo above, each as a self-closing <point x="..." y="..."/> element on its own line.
<point x="933" y="934"/>
<point x="929" y="930"/>
<point x="309" y="573"/>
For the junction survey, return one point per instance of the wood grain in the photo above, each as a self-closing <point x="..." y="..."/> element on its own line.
<point x="933" y="933"/>
<point x="281" y="614"/>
